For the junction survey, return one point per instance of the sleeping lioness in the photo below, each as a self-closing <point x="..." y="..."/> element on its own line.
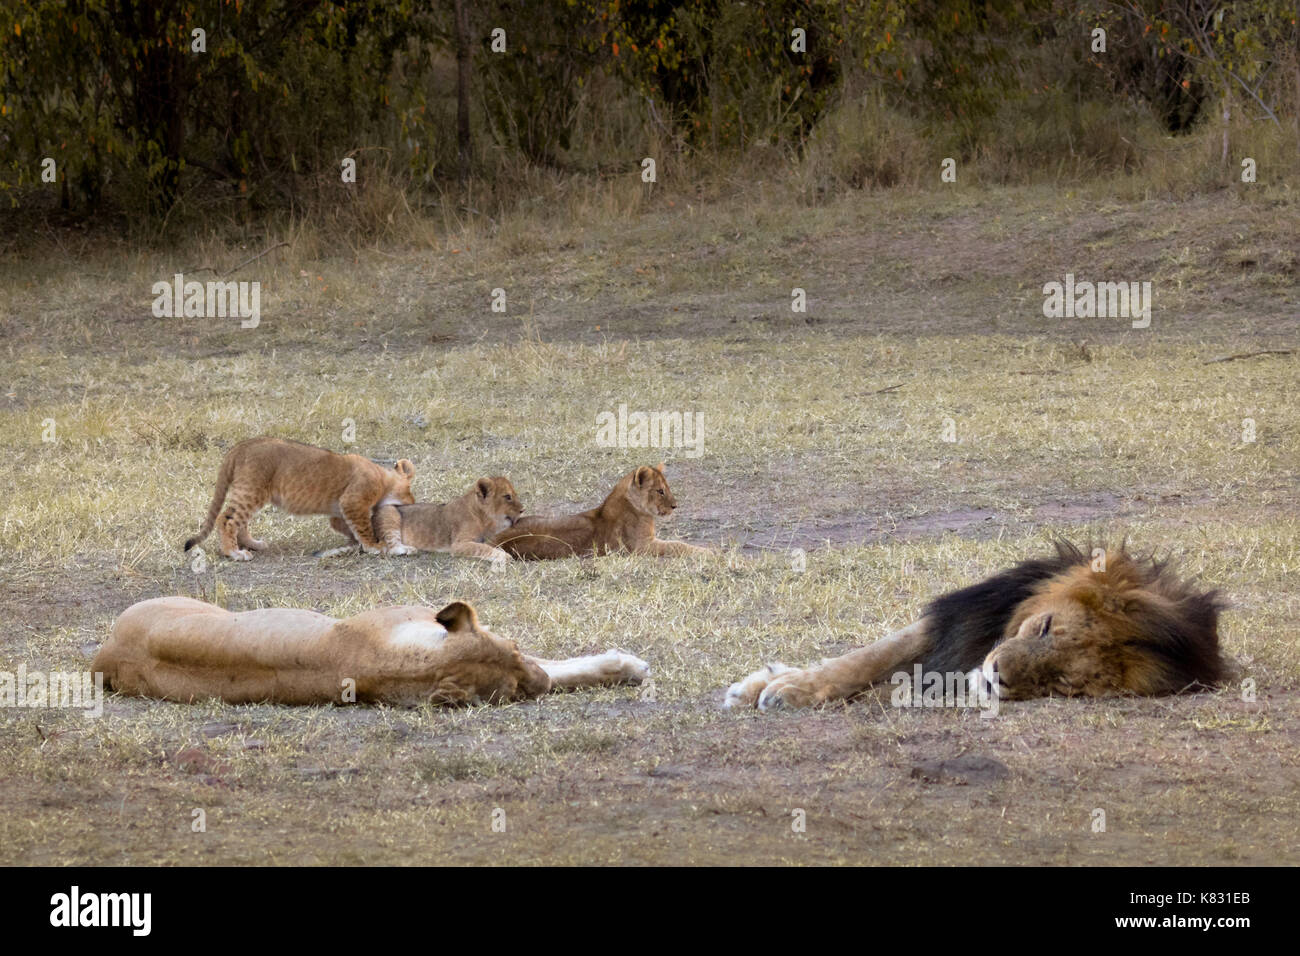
<point x="624" y="521"/>
<point x="458" y="527"/>
<point x="180" y="649"/>
<point x="302" y="480"/>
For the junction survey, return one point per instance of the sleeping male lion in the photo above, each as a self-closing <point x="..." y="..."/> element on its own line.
<point x="624" y="521"/>
<point x="177" y="648"/>
<point x="1056" y="625"/>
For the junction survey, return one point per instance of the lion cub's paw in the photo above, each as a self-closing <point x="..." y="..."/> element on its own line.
<point x="397" y="550"/>
<point x="239" y="554"/>
<point x="744" y="693"/>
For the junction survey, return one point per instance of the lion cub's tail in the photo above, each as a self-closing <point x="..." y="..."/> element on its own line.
<point x="218" y="497"/>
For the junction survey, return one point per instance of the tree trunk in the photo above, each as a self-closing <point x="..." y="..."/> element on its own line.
<point x="463" y="65"/>
<point x="1227" y="117"/>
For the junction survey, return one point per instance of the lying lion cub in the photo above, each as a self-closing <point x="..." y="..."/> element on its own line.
<point x="177" y="648"/>
<point x="625" y="521"/>
<point x="458" y="527"/>
<point x="302" y="480"/>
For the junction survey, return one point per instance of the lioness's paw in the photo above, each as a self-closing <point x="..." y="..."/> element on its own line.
<point x="628" y="668"/>
<point x="790" y="691"/>
<point x="744" y="693"/>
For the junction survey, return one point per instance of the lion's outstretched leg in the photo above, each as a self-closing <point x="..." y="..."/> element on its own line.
<point x="477" y="549"/>
<point x="594" y="670"/>
<point x="672" y="549"/>
<point x="838" y="677"/>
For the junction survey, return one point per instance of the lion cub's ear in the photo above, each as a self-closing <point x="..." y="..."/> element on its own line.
<point x="404" y="468"/>
<point x="458" y="616"/>
<point x="484" y="487"/>
<point x="644" y="474"/>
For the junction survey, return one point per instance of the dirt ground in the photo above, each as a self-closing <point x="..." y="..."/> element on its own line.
<point x="826" y="432"/>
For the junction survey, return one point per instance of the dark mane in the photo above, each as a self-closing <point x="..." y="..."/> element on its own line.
<point x="1179" y="628"/>
<point x="1177" y="624"/>
<point x="965" y="624"/>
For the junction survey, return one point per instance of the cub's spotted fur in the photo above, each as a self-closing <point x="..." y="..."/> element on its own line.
<point x="302" y="480"/>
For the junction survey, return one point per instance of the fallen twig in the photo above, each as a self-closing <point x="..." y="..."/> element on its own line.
<point x="1246" y="355"/>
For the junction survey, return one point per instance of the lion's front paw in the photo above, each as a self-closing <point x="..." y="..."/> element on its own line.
<point x="397" y="550"/>
<point x="745" y="693"/>
<point x="626" y="668"/>
<point x="239" y="554"/>
<point x="791" y="691"/>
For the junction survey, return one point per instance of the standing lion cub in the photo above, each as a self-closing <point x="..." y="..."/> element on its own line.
<point x="459" y="527"/>
<point x="302" y="480"/>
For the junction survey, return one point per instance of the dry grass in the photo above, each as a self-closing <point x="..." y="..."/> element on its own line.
<point x="822" y="432"/>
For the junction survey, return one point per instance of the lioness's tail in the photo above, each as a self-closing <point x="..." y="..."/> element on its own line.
<point x="218" y="497"/>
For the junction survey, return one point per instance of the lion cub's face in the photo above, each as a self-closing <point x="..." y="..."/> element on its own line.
<point x="649" y="492"/>
<point x="399" y="484"/>
<point x="499" y="501"/>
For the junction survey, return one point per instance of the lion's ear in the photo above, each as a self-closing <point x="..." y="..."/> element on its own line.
<point x="484" y="487"/>
<point x="458" y="616"/>
<point x="404" y="468"/>
<point x="644" y="474"/>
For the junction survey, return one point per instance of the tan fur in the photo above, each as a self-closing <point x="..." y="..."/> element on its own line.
<point x="1079" y="624"/>
<point x="624" y="521"/>
<point x="185" y="650"/>
<point x="302" y="480"/>
<point x="458" y="527"/>
<point x="836" y="678"/>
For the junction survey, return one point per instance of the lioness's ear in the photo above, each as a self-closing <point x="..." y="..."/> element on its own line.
<point x="484" y="487"/>
<point x="404" y="467"/>
<point x="458" y="616"/>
